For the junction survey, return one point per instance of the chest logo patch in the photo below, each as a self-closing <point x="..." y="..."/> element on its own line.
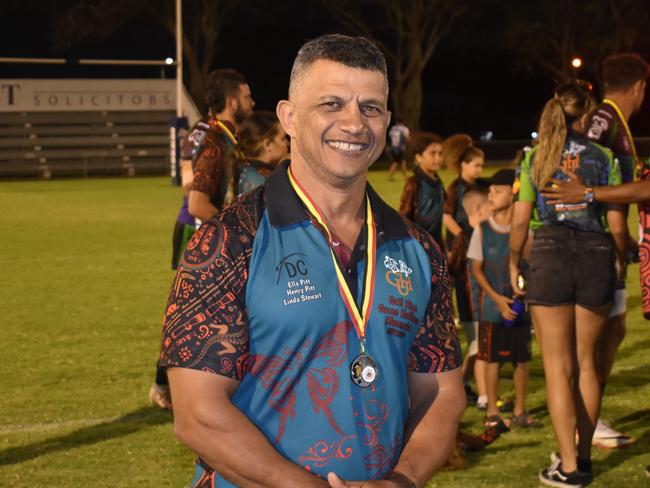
<point x="293" y="272"/>
<point x="397" y="275"/>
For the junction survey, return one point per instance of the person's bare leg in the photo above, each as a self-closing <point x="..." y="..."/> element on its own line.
<point x="520" y="375"/>
<point x="492" y="383"/>
<point x="391" y="171"/>
<point x="589" y="325"/>
<point x="405" y="169"/>
<point x="610" y="339"/>
<point x="556" y="330"/>
<point x="468" y="367"/>
<point x="480" y="368"/>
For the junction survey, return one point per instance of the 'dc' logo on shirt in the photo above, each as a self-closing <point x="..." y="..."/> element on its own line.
<point x="398" y="275"/>
<point x="291" y="266"/>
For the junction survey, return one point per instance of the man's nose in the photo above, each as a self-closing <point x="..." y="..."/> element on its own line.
<point x="352" y="120"/>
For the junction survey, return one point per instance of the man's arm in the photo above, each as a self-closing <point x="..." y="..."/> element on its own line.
<point x="187" y="175"/>
<point x="207" y="422"/>
<point x="618" y="229"/>
<point x="200" y="206"/>
<point x="573" y="191"/>
<point x="438" y="401"/>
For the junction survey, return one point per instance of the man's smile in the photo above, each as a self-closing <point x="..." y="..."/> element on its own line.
<point x="347" y="147"/>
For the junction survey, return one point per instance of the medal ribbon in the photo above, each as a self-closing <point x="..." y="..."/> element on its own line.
<point x="230" y="135"/>
<point x="613" y="104"/>
<point x="359" y="317"/>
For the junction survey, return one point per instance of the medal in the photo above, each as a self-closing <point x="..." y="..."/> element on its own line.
<point x="364" y="369"/>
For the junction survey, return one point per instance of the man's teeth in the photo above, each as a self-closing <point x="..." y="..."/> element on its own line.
<point x="346" y="146"/>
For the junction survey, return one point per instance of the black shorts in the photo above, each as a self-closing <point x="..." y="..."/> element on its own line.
<point x="397" y="154"/>
<point x="571" y="267"/>
<point x="500" y="344"/>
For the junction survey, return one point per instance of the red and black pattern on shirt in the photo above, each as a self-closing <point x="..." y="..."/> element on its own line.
<point x="436" y="347"/>
<point x="215" y="164"/>
<point x="205" y="325"/>
<point x="409" y="200"/>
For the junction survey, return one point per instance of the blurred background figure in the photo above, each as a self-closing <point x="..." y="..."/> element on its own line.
<point x="398" y="139"/>
<point x="264" y="145"/>
<point x="423" y="197"/>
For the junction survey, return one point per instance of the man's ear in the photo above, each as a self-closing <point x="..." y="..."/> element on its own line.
<point x="231" y="104"/>
<point x="284" y="111"/>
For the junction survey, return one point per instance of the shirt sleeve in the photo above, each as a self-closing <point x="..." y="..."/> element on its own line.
<point x="205" y="326"/>
<point x="525" y="190"/>
<point x="475" y="248"/>
<point x="436" y="348"/>
<point x="408" y="200"/>
<point x="450" y="198"/>
<point x="599" y="126"/>
<point x="208" y="166"/>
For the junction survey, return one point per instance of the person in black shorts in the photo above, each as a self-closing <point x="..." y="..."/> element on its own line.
<point x="504" y="336"/>
<point x="570" y="282"/>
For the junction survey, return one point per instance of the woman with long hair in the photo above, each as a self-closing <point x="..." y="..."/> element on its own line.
<point x="573" y="269"/>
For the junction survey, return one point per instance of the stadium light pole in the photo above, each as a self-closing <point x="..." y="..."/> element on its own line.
<point x="179" y="121"/>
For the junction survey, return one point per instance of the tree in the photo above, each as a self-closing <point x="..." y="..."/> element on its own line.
<point x="548" y="34"/>
<point x="408" y="31"/>
<point x="78" y="21"/>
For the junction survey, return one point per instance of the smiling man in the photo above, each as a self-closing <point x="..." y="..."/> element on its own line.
<point x="309" y="335"/>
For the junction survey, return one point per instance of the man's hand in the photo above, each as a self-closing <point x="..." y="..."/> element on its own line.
<point x="570" y="191"/>
<point x="503" y="305"/>
<point x="336" y="482"/>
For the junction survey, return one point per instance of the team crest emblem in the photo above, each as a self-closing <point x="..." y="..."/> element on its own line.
<point x="397" y="275"/>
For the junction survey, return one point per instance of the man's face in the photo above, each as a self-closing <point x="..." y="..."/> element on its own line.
<point x="245" y="103"/>
<point x="338" y="120"/>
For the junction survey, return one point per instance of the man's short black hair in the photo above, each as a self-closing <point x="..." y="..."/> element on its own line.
<point x="355" y="52"/>
<point x="621" y="71"/>
<point x="222" y="83"/>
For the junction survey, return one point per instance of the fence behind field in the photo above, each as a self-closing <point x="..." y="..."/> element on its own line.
<point x="45" y="144"/>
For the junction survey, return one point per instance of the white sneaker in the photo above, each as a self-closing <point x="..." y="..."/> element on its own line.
<point x="607" y="438"/>
<point x="160" y="396"/>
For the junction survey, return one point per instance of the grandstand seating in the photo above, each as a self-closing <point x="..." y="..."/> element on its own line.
<point x="46" y="144"/>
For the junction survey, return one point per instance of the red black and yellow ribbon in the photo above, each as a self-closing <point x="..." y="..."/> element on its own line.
<point x="359" y="317"/>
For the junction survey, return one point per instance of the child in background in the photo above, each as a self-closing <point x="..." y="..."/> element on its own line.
<point x="477" y="208"/>
<point x="423" y="197"/>
<point x="503" y="336"/>
<point x="461" y="155"/>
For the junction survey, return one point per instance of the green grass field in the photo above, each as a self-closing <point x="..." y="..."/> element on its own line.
<point x="85" y="274"/>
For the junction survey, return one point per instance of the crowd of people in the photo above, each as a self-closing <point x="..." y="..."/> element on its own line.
<point x="310" y="333"/>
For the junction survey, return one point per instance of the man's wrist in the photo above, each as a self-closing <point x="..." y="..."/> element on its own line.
<point x="588" y="194"/>
<point x="400" y="480"/>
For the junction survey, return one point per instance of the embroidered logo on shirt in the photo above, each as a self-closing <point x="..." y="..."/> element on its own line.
<point x="398" y="275"/>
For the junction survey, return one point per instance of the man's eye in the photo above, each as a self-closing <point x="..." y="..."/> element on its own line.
<point x="371" y="110"/>
<point x="331" y="105"/>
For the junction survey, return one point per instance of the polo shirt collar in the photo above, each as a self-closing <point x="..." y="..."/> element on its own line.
<point x="285" y="207"/>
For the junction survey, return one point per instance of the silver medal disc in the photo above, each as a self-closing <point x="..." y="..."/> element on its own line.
<point x="364" y="370"/>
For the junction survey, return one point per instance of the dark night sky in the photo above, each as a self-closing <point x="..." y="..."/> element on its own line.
<point x="469" y="86"/>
